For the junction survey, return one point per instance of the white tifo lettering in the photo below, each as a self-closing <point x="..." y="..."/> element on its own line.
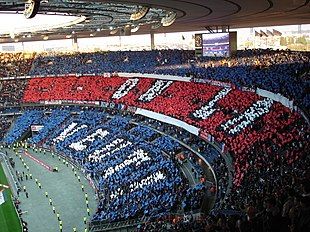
<point x="80" y="145"/>
<point x="68" y="132"/>
<point x="259" y="108"/>
<point x="208" y="109"/>
<point x="109" y="149"/>
<point x="124" y="89"/>
<point x="157" y="88"/>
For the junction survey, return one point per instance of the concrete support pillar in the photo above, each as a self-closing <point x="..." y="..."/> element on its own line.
<point x="152" y="40"/>
<point x="75" y="43"/>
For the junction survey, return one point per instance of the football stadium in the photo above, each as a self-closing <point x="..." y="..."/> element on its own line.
<point x="154" y="116"/>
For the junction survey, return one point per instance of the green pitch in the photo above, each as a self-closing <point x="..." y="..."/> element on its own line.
<point x="9" y="221"/>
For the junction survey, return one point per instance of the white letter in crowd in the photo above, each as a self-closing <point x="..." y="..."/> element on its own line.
<point x="125" y="88"/>
<point x="68" y="132"/>
<point x="157" y="88"/>
<point x="153" y="178"/>
<point x="109" y="149"/>
<point x="208" y="109"/>
<point x="137" y="157"/>
<point x="80" y="145"/>
<point x="255" y="111"/>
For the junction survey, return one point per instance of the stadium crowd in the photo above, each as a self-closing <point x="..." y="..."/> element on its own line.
<point x="134" y="176"/>
<point x="11" y="92"/>
<point x="239" y="119"/>
<point x="15" y="64"/>
<point x="274" y="197"/>
<point x="211" y="154"/>
<point x="279" y="71"/>
<point x="283" y="207"/>
<point x="260" y="200"/>
<point x="268" y="142"/>
<point x="5" y="124"/>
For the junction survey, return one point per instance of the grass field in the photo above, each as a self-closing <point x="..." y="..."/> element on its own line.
<point x="9" y="221"/>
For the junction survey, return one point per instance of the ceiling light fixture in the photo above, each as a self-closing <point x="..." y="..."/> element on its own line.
<point x="169" y="19"/>
<point x="140" y="13"/>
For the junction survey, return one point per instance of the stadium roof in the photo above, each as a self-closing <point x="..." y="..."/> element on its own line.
<point x="103" y="18"/>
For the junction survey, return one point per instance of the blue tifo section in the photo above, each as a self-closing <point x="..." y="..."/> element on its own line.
<point x="143" y="132"/>
<point x="57" y="117"/>
<point x="23" y="124"/>
<point x="135" y="177"/>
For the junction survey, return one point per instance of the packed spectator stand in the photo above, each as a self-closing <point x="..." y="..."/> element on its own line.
<point x="11" y="92"/>
<point x="276" y="71"/>
<point x="5" y="124"/>
<point x="15" y="64"/>
<point x="116" y="158"/>
<point x="284" y="72"/>
<point x="268" y="141"/>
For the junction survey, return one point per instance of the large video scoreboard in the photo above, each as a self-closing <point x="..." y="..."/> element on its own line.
<point x="216" y="44"/>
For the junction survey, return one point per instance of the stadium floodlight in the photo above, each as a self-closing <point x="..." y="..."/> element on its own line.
<point x="169" y="19"/>
<point x="31" y="8"/>
<point x="114" y="31"/>
<point x="140" y="13"/>
<point x="135" y="29"/>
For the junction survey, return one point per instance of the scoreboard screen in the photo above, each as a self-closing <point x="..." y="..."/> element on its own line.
<point x="216" y="44"/>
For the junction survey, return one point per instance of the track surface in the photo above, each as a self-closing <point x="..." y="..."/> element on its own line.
<point x="63" y="189"/>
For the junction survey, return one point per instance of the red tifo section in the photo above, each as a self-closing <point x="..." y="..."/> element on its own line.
<point x="180" y="100"/>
